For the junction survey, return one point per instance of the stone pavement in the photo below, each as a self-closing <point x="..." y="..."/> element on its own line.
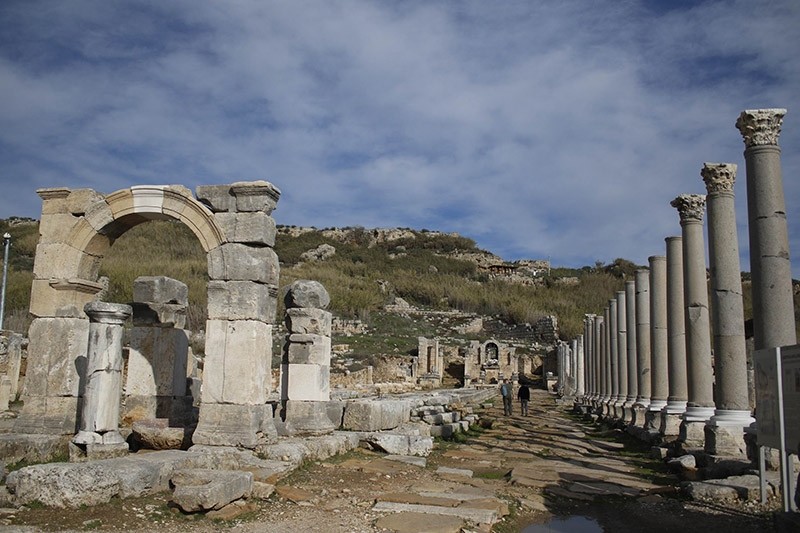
<point x="519" y="461"/>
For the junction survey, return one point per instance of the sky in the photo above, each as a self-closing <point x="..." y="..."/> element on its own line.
<point x="553" y="130"/>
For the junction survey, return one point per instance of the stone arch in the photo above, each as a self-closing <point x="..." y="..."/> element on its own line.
<point x="234" y="226"/>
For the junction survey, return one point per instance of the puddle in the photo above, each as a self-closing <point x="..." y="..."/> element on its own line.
<point x="571" y="524"/>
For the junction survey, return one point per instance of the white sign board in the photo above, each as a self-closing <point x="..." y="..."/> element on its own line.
<point x="777" y="376"/>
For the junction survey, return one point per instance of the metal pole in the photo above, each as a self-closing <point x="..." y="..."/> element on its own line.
<point x="6" y="246"/>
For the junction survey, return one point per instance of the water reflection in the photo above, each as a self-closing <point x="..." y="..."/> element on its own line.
<point x="570" y="524"/>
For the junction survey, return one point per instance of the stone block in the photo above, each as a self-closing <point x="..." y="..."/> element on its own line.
<point x="242" y="300"/>
<point x="80" y="200"/>
<point x="160" y="290"/>
<point x="307" y="418"/>
<point x="13" y="362"/>
<point x="255" y="196"/>
<point x="308" y="349"/>
<point x="237" y="366"/>
<point x="375" y="415"/>
<point x="57" y="228"/>
<point x="157" y="434"/>
<point x="97" y="451"/>
<point x="150" y="314"/>
<point x="56" y="356"/>
<point x="240" y="262"/>
<point x="217" y="198"/>
<point x="5" y="392"/>
<point x="54" y="200"/>
<point x="307" y="293"/>
<point x="157" y="360"/>
<point x="49" y="415"/>
<point x="99" y="214"/>
<point x="203" y="489"/>
<point x="62" y="298"/>
<point x="308" y="382"/>
<point x="248" y="228"/>
<point x="692" y="434"/>
<point x="308" y="321"/>
<point x="725" y="440"/>
<point x="62" y="261"/>
<point x="335" y="409"/>
<point x="245" y="426"/>
<point x="445" y="431"/>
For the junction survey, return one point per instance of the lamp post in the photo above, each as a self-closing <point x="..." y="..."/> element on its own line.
<point x="6" y="246"/>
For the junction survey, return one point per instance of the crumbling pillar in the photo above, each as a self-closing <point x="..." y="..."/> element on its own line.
<point x="622" y="355"/>
<point x="99" y="423"/>
<point x="659" y="388"/>
<point x="242" y="302"/>
<point x="630" y="324"/>
<point x="306" y="367"/>
<point x="725" y="430"/>
<point x="770" y="267"/>
<point x="700" y="405"/>
<point x="672" y="414"/>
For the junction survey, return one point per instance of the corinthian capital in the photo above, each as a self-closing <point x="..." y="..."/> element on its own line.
<point x="690" y="206"/>
<point x="760" y="126"/>
<point x="719" y="177"/>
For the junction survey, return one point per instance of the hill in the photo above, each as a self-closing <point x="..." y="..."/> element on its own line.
<point x="364" y="270"/>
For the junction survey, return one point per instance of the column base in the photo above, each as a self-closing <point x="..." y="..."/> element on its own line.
<point x="695" y="413"/>
<point x="670" y="423"/>
<point x="725" y="440"/>
<point x="693" y="434"/>
<point x="731" y="418"/>
<point x="93" y="452"/>
<point x="639" y="415"/>
<point x="675" y="407"/>
<point x="244" y="426"/>
<point x="307" y="418"/>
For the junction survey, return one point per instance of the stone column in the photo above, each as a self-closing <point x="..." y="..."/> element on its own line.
<point x="630" y="324"/>
<point x="560" y="368"/>
<point x="613" y="355"/>
<point x="99" y="424"/>
<point x="622" y="354"/>
<point x="671" y="415"/>
<point x="659" y="390"/>
<point x="588" y="335"/>
<point x="700" y="405"/>
<point x="643" y="376"/>
<point x="606" y="368"/>
<point x="573" y="363"/>
<point x="725" y="434"/>
<point x="599" y="348"/>
<point x="580" y="367"/>
<point x="770" y="267"/>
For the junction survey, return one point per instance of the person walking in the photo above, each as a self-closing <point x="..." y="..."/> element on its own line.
<point x="524" y="396"/>
<point x="505" y="392"/>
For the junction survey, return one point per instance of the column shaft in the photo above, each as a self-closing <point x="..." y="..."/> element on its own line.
<point x="658" y="333"/>
<point x="630" y="321"/>
<point x="643" y="377"/>
<point x="676" y="341"/>
<point x="622" y="348"/>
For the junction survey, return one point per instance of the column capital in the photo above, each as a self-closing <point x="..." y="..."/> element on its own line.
<point x="718" y="177"/>
<point x="108" y="313"/>
<point x="760" y="126"/>
<point x="690" y="206"/>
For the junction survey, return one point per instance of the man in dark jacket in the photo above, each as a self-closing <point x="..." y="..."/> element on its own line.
<point x="524" y="395"/>
<point x="505" y="392"/>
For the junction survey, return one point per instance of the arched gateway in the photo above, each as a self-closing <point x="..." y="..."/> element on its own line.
<point x="234" y="226"/>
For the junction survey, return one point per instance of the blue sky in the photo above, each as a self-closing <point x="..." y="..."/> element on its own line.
<point x="552" y="129"/>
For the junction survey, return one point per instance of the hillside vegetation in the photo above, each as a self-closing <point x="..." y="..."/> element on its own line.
<point x="362" y="276"/>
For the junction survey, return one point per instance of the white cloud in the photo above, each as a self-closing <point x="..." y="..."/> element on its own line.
<point x="556" y="130"/>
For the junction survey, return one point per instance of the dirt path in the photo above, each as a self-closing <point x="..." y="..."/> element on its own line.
<point x="525" y="469"/>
